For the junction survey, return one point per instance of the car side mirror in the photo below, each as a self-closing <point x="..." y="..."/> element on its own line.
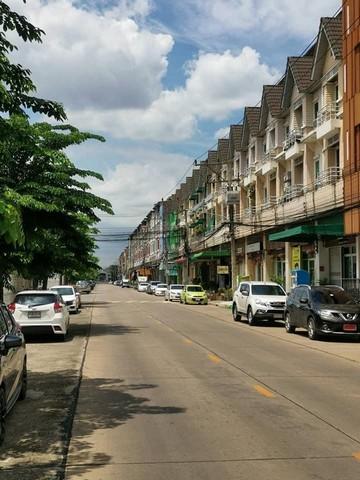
<point x="10" y="341"/>
<point x="245" y="293"/>
<point x="304" y="300"/>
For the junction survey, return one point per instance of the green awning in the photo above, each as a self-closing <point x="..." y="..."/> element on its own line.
<point x="209" y="255"/>
<point x="308" y="232"/>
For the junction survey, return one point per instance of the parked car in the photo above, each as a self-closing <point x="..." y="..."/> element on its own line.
<point x="13" y="372"/>
<point x="259" y="301"/>
<point x="193" y="294"/>
<point x="160" y="289"/>
<point x="142" y="286"/>
<point x="82" y="286"/>
<point x="173" y="292"/>
<point x="117" y="283"/>
<point x="151" y="286"/>
<point x="92" y="284"/>
<point x="322" y="311"/>
<point x="41" y="311"/>
<point x="125" y="282"/>
<point x="70" y="296"/>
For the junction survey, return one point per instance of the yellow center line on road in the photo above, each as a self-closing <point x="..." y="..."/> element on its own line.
<point x="214" y="358"/>
<point x="189" y="342"/>
<point x="264" y="391"/>
<point x="356" y="455"/>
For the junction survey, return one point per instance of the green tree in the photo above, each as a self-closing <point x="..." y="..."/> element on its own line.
<point x="47" y="211"/>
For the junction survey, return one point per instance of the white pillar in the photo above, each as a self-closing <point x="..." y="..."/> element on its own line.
<point x="287" y="266"/>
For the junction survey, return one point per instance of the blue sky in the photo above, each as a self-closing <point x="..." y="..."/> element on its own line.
<point x="160" y="80"/>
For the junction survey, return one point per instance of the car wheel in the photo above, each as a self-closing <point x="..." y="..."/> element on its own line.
<point x="288" y="327"/>
<point x="250" y="316"/>
<point x="236" y="315"/>
<point x="23" y="390"/>
<point x="312" y="333"/>
<point x="2" y="415"/>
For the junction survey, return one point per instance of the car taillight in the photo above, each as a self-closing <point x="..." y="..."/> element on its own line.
<point x="57" y="307"/>
<point x="12" y="307"/>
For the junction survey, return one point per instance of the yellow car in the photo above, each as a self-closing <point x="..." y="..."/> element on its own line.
<point x="194" y="295"/>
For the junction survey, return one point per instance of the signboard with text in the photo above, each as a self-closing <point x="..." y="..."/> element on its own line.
<point x="222" y="270"/>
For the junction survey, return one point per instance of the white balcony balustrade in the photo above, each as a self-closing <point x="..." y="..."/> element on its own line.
<point x="293" y="146"/>
<point x="328" y="121"/>
<point x="249" y="176"/>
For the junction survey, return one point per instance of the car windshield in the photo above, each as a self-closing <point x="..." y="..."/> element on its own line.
<point x="176" y="287"/>
<point x="154" y="283"/>
<point x="35" y="299"/>
<point x="332" y="297"/>
<point x="162" y="285"/>
<point x="194" y="289"/>
<point x="267" y="290"/>
<point x="64" y="291"/>
<point x="143" y="284"/>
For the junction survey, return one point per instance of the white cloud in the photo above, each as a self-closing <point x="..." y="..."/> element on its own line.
<point x="210" y="22"/>
<point x="216" y="85"/>
<point x="108" y="72"/>
<point x="222" y="132"/>
<point x="92" y="60"/>
<point x="139" y="181"/>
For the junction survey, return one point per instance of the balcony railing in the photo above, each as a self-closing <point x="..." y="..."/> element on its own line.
<point x="249" y="212"/>
<point x="295" y="136"/>
<point x="249" y="170"/>
<point x="291" y="192"/>
<point x="270" y="202"/>
<point x="329" y="112"/>
<point x="328" y="177"/>
<point x="269" y="156"/>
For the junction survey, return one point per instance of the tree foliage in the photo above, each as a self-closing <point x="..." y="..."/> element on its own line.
<point x="47" y="209"/>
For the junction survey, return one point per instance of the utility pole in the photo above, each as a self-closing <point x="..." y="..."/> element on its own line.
<point x="232" y="248"/>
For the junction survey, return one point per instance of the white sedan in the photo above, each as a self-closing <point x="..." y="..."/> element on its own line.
<point x="160" y="289"/>
<point x="70" y="296"/>
<point x="173" y="292"/>
<point x="41" y="311"/>
<point x="142" y="286"/>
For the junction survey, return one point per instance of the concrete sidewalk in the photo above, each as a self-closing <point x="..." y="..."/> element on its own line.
<point x="221" y="303"/>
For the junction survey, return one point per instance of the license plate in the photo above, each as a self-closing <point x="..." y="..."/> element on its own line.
<point x="350" y="327"/>
<point x="34" y="314"/>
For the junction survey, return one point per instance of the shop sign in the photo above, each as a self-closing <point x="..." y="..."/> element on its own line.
<point x="253" y="247"/>
<point x="295" y="257"/>
<point x="222" y="270"/>
<point x="232" y="198"/>
<point x="142" y="278"/>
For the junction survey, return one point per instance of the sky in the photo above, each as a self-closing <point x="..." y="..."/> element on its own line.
<point x="161" y="80"/>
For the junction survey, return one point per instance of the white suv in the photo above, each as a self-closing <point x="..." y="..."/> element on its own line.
<point x="259" y="300"/>
<point x="70" y="296"/>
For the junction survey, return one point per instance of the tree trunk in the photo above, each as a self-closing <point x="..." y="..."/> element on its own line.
<point x="35" y="283"/>
<point x="45" y="283"/>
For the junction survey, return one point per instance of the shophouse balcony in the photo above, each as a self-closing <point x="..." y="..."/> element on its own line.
<point x="258" y="167"/>
<point x="269" y="203"/>
<point x="249" y="176"/>
<point x="291" y="192"/>
<point x="249" y="212"/>
<point x="269" y="162"/>
<point x="328" y="121"/>
<point x="221" y="194"/>
<point x="328" y="177"/>
<point x="293" y="146"/>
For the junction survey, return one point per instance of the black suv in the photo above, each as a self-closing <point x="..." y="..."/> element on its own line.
<point x="327" y="310"/>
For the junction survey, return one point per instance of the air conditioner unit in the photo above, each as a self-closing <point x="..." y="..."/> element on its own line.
<point x="287" y="177"/>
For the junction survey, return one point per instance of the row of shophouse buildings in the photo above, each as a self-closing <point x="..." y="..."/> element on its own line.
<point x="282" y="192"/>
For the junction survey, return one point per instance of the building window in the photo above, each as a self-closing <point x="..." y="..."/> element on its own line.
<point x="316" y="169"/>
<point x="349" y="262"/>
<point x="316" y="110"/>
<point x="357" y="68"/>
<point x="357" y="147"/>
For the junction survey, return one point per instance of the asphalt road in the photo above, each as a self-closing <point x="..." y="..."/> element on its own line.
<point x="170" y="391"/>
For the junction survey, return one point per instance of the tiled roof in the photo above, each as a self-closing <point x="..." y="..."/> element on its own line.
<point x="301" y="68"/>
<point x="273" y="95"/>
<point x="252" y="116"/>
<point x="235" y="136"/>
<point x="333" y="30"/>
<point x="223" y="149"/>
